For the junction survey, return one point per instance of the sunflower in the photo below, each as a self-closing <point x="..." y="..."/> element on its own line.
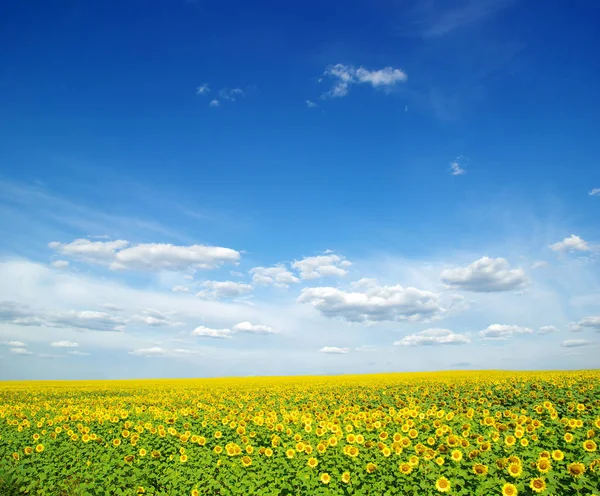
<point x="183" y="458"/>
<point x="509" y="489"/>
<point x="515" y="470"/>
<point x="371" y="467"/>
<point x="155" y="454"/>
<point x="576" y="469"/>
<point x="312" y="462"/>
<point x="544" y="465"/>
<point x="346" y="477"/>
<point x="195" y="492"/>
<point x="290" y="453"/>
<point x="590" y="446"/>
<point x="268" y="452"/>
<point x="538" y="485"/>
<point x="246" y="461"/>
<point x="442" y="485"/>
<point x="480" y="469"/>
<point x="558" y="455"/>
<point x="116" y="442"/>
<point x="325" y="478"/>
<point x="568" y="437"/>
<point x="510" y="440"/>
<point x="128" y="458"/>
<point x="142" y="452"/>
<point x="39" y="448"/>
<point x="405" y="468"/>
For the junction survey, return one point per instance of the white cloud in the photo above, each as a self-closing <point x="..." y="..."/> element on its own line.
<point x="595" y="192"/>
<point x="78" y="353"/>
<point x="547" y="330"/>
<point x="253" y="328"/>
<point x="572" y="243"/>
<point x="223" y="289"/>
<point x="231" y="93"/>
<point x="277" y="275"/>
<point x="214" y="103"/>
<point x="575" y="343"/>
<point x="375" y="304"/>
<point x="60" y="264"/>
<point x="112" y="307"/>
<point x="485" y="275"/>
<point x="430" y="337"/>
<point x="20" y="351"/>
<point x="311" y="104"/>
<point x="345" y="75"/>
<point x="154" y="318"/>
<point x="15" y="344"/>
<point x="456" y="166"/>
<point x="334" y="350"/>
<point x="592" y="322"/>
<point x="207" y="332"/>
<point x="540" y="264"/>
<point x="23" y="315"/>
<point x="321" y="266"/>
<point x="203" y="89"/>
<point x="180" y="289"/>
<point x="118" y="255"/>
<point x="64" y="344"/>
<point x="500" y="332"/>
<point x="154" y="351"/>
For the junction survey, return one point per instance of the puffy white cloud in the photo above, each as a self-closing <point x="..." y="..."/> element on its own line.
<point x="547" y="330"/>
<point x="214" y="103"/>
<point x="253" y="328"/>
<point x="20" y="351"/>
<point x="321" y="266"/>
<point x="430" y="337"/>
<point x="499" y="331"/>
<point x="118" y="255"/>
<point x="60" y="264"/>
<point x="571" y="244"/>
<point x="334" y="350"/>
<point x="207" y="332"/>
<point x="485" y="275"/>
<point x="277" y="275"/>
<point x="64" y="344"/>
<point x="595" y="192"/>
<point x="345" y="75"/>
<point x="375" y="304"/>
<point x="540" y="264"/>
<point x="592" y="322"/>
<point x="575" y="343"/>
<point x="23" y="315"/>
<point x="223" y="289"/>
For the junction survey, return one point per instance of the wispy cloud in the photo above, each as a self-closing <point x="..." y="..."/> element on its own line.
<point x="214" y="103"/>
<point x="334" y="350"/>
<point x="432" y="337"/>
<point x="595" y="192"/>
<point x="311" y="104"/>
<point x="203" y="89"/>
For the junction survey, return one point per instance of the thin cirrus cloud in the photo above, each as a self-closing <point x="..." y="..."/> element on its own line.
<point x="311" y="104"/>
<point x="575" y="343"/>
<point x="154" y="318"/>
<point x="224" y="94"/>
<point x="119" y="255"/>
<point x="486" y="275"/>
<point x="344" y="76"/>
<point x="571" y="244"/>
<point x="432" y="337"/>
<point x="594" y="192"/>
<point x="375" y="304"/>
<point x="547" y="329"/>
<point x="457" y="166"/>
<point x="157" y="351"/>
<point x="23" y="315"/>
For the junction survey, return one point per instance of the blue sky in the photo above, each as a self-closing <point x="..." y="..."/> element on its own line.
<point x="196" y="188"/>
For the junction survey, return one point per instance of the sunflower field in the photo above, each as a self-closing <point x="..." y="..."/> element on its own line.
<point x="463" y="433"/>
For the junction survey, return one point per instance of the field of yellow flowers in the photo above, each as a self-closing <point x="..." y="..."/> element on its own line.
<point x="465" y="433"/>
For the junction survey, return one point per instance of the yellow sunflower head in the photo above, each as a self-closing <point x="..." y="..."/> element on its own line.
<point x="442" y="485"/>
